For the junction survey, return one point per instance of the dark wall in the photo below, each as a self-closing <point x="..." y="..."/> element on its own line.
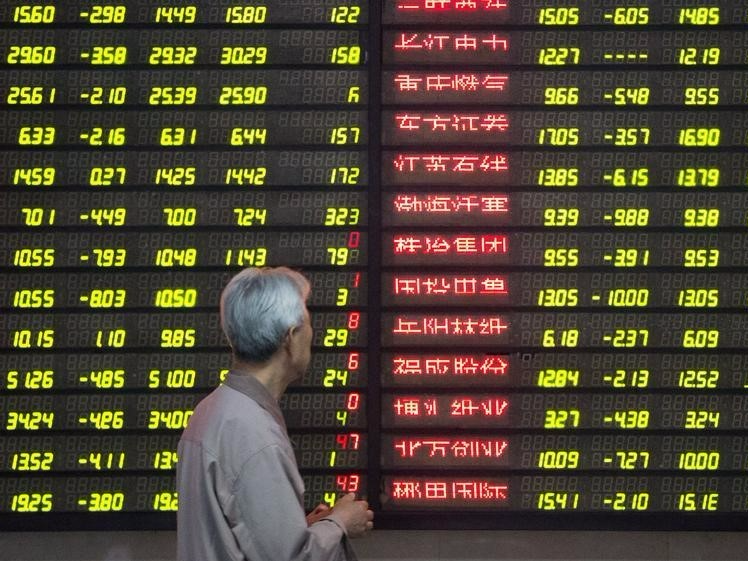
<point x="405" y="546"/>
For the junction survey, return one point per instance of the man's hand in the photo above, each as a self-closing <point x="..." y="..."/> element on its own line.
<point x="319" y="512"/>
<point x="354" y="515"/>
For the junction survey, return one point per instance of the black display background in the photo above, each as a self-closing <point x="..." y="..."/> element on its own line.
<point x="377" y="264"/>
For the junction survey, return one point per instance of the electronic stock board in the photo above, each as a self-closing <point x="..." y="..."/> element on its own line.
<point x="525" y="223"/>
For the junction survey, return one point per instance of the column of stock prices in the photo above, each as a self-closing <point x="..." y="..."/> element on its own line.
<point x="524" y="221"/>
<point x="563" y="276"/>
<point x="151" y="149"/>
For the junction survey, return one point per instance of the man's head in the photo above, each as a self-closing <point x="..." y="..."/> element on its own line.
<point x="264" y="309"/>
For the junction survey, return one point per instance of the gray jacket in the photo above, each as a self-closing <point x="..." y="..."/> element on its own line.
<point x="240" y="492"/>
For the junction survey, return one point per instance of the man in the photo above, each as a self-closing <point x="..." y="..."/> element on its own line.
<point x="240" y="492"/>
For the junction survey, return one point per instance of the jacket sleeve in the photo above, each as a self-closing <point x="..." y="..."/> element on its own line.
<point x="268" y="520"/>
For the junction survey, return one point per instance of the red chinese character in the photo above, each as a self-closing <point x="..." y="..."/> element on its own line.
<point x="464" y="163"/>
<point x="437" y="245"/>
<point x="465" y="82"/>
<point x="409" y="6"/>
<point x="408" y="122"/>
<point x="436" y="326"/>
<point x="493" y="121"/>
<point x="438" y="4"/>
<point x="428" y="285"/>
<point x="495" y="81"/>
<point x="465" y="285"/>
<point x="438" y="203"/>
<point x="437" y="123"/>
<point x="494" y="203"/>
<point x="407" y="41"/>
<point x="492" y="326"/>
<point x="438" y="366"/>
<point x="470" y="325"/>
<point x="466" y="244"/>
<point x="493" y="285"/>
<point x="465" y="122"/>
<point x="407" y="203"/>
<point x="403" y="366"/>
<point x="405" y="163"/>
<point x="438" y="41"/>
<point x="495" y="43"/>
<point x="430" y="407"/>
<point x="435" y="490"/>
<point x="438" y="286"/>
<point x="437" y="447"/>
<point x="466" y="203"/>
<point x="406" y="286"/>
<point x="438" y="82"/>
<point x="493" y="491"/>
<point x="463" y="407"/>
<point x="466" y="42"/>
<point x="435" y="163"/>
<point x="494" y="163"/>
<point x="407" y="244"/>
<point x="407" y="407"/>
<point x="405" y="326"/>
<point x="406" y="448"/>
<point x="463" y="489"/>
<point x="494" y="407"/>
<point x="494" y="365"/>
<point x="460" y="449"/>
<point x="494" y="244"/>
<point x="406" y="490"/>
<point x="466" y="366"/>
<point x="408" y="83"/>
<point x="498" y="448"/>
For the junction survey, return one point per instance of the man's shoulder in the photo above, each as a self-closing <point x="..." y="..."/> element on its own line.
<point x="226" y="415"/>
<point x="227" y="429"/>
<point x="225" y="404"/>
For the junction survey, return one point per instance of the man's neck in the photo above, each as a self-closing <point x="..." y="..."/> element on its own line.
<point x="267" y="373"/>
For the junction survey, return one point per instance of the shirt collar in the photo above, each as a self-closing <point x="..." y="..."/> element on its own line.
<point x="253" y="388"/>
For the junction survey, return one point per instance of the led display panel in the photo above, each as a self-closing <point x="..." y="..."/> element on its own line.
<point x="524" y="223"/>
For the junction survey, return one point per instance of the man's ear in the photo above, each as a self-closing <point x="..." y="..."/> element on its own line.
<point x="288" y="339"/>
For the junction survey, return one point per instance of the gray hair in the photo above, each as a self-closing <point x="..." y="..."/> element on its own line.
<point x="259" y="306"/>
